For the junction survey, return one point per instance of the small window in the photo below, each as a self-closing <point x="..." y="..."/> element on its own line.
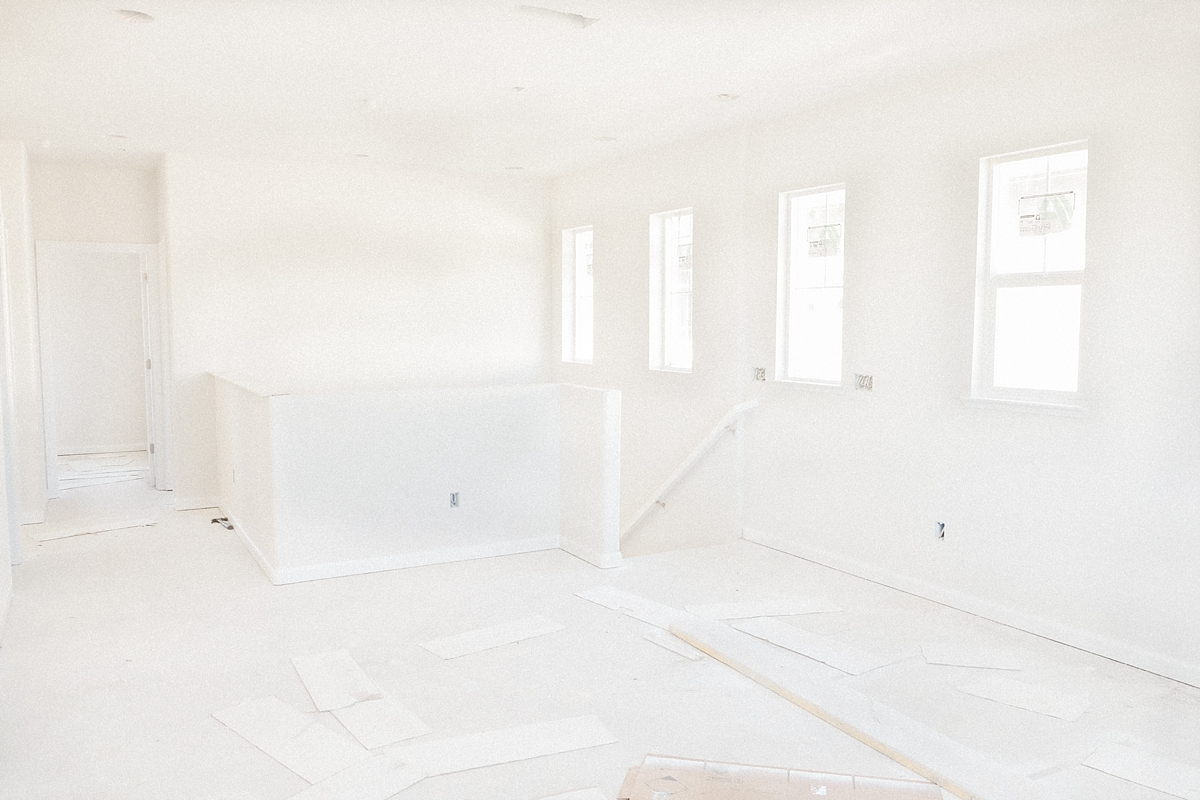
<point x="1029" y="285"/>
<point x="811" y="265"/>
<point x="577" y="295"/>
<point x="671" y="290"/>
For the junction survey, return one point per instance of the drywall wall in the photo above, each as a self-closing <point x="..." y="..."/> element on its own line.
<point x="344" y="275"/>
<point x="589" y="433"/>
<point x="245" y="466"/>
<point x="21" y="286"/>
<point x="664" y="414"/>
<point x="1081" y="529"/>
<point x="93" y="356"/>
<point x="328" y="484"/>
<point x="10" y="540"/>
<point x="90" y="201"/>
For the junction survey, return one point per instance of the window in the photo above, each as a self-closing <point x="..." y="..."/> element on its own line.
<point x="577" y="295"/>
<point x="808" y="343"/>
<point x="1029" y="283"/>
<point x="671" y="290"/>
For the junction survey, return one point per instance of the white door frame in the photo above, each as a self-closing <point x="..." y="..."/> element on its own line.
<point x="155" y="346"/>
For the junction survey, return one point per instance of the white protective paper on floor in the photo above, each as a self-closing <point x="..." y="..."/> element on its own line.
<point x="96" y="527"/>
<point x="334" y="680"/>
<point x="632" y="605"/>
<point x="840" y="656"/>
<point x="764" y="607"/>
<point x="959" y="655"/>
<point x="1038" y="699"/>
<point x="296" y="740"/>
<point x="377" y="778"/>
<point x="1138" y="766"/>
<point x="378" y="723"/>
<point x="674" y="644"/>
<point x="495" y="636"/>
<point x="459" y="753"/>
<point x="579" y="794"/>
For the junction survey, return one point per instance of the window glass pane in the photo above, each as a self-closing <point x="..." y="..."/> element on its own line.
<point x="583" y="295"/>
<point x="1037" y="214"/>
<point x="1037" y="338"/>
<point x="677" y="311"/>
<point x="815" y="328"/>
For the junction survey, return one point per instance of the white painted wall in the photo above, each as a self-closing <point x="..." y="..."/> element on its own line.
<point x="93" y="354"/>
<point x="10" y="540"/>
<point x="343" y="275"/>
<point x="664" y="414"/>
<point x="21" y="287"/>
<point x="1080" y="529"/>
<point x="589" y="425"/>
<point x="90" y="201"/>
<point x="334" y="483"/>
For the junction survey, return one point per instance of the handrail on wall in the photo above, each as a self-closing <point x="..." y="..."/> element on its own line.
<point x="728" y="423"/>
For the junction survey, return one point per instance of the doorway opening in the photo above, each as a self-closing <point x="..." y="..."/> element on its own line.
<point x="103" y="369"/>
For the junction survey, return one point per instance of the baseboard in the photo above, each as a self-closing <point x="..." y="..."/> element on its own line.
<point x="108" y="448"/>
<point x="422" y="558"/>
<point x="1159" y="664"/>
<point x="263" y="563"/>
<point x="592" y="556"/>
<point x="185" y="503"/>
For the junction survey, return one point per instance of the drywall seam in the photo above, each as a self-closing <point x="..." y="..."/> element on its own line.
<point x="1134" y="656"/>
<point x="422" y="558"/>
<point x="253" y="548"/>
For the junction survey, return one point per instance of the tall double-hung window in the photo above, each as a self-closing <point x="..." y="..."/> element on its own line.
<point x="1029" y="284"/>
<point x="671" y="290"/>
<point x="811" y="266"/>
<point x="577" y="287"/>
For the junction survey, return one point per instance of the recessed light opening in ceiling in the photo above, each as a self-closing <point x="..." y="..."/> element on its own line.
<point x="575" y="20"/>
<point x="129" y="15"/>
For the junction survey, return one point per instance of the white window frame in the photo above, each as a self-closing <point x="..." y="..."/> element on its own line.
<point x="987" y="285"/>
<point x="784" y="336"/>
<point x="667" y="352"/>
<point x="577" y="300"/>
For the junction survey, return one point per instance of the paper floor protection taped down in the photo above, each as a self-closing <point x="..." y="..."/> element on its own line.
<point x="1038" y="699"/>
<point x="378" y="723"/>
<point x="579" y="794"/>
<point x="957" y="655"/>
<point x="334" y="680"/>
<point x="1138" y="766"/>
<point x="296" y="740"/>
<point x="765" y="607"/>
<point x="932" y="755"/>
<point x="459" y="753"/>
<point x="840" y="656"/>
<point x="496" y="636"/>
<point x="632" y="605"/>
<point x="377" y="778"/>
<point x="674" y="644"/>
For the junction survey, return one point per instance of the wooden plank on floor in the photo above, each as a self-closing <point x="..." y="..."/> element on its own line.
<point x="297" y="741"/>
<point x="495" y="636"/>
<point x="932" y="755"/>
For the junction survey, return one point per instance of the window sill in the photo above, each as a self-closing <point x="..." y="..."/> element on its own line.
<point x="1026" y="406"/>
<point x="676" y="370"/>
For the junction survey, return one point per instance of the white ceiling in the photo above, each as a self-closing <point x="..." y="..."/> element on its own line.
<point x="433" y="82"/>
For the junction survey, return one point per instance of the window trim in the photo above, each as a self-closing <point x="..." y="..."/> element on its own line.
<point x="658" y="292"/>
<point x="783" y="290"/>
<point x="983" y="391"/>
<point x="570" y="311"/>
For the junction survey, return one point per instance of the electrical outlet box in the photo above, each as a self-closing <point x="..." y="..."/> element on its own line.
<point x="454" y="499"/>
<point x="864" y="382"/>
<point x="760" y="373"/>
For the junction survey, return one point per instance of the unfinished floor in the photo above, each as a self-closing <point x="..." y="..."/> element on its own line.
<point x="120" y="645"/>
